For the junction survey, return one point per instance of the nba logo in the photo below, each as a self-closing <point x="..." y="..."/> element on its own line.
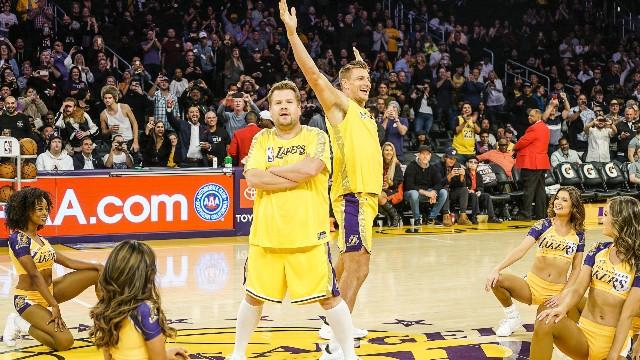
<point x="270" y="154"/>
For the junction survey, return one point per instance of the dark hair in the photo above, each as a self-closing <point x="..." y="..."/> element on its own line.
<point x="484" y="131"/>
<point x="577" y="214"/>
<point x="21" y="204"/>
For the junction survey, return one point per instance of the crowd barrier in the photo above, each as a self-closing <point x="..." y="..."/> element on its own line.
<point x="102" y="205"/>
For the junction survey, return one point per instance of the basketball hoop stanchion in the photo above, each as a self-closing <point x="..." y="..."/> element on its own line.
<point x="10" y="148"/>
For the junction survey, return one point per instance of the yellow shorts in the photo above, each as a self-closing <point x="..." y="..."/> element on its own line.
<point x="355" y="214"/>
<point x="305" y="273"/>
<point x="600" y="337"/>
<point x="541" y="290"/>
<point x="23" y="299"/>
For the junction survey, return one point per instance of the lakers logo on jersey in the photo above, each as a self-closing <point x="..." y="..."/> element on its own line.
<point x="23" y="241"/>
<point x="353" y="240"/>
<point x="19" y="301"/>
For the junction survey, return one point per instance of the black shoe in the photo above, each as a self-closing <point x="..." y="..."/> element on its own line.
<point x="495" y="220"/>
<point x="474" y="220"/>
<point x="434" y="222"/>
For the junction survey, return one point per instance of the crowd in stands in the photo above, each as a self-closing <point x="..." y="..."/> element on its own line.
<point x="122" y="84"/>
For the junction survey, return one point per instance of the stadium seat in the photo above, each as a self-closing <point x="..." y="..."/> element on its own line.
<point x="632" y="189"/>
<point x="498" y="193"/>
<point x="592" y="180"/>
<point x="614" y="180"/>
<point x="568" y="174"/>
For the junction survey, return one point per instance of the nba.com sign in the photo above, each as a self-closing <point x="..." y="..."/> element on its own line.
<point x="137" y="204"/>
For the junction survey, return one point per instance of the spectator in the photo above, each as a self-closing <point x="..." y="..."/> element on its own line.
<point x="118" y="157"/>
<point x="191" y="66"/>
<point x="7" y="20"/>
<point x="464" y="141"/>
<point x="423" y="107"/>
<point x="472" y="88"/>
<point x="485" y="125"/>
<point x="599" y="132"/>
<point x="554" y="119"/>
<point x="75" y="87"/>
<point x="118" y="119"/>
<point x="532" y="158"/>
<point x="176" y="156"/>
<point x="626" y="129"/>
<point x="483" y="145"/>
<point x="12" y="122"/>
<point x="151" y="50"/>
<point x="85" y="160"/>
<point x="503" y="157"/>
<point x="32" y="106"/>
<point x="156" y="147"/>
<point x="265" y="121"/>
<point x="634" y="169"/>
<point x="423" y="184"/>
<point x="564" y="154"/>
<point x="77" y="59"/>
<point x="74" y="124"/>
<point x="138" y="102"/>
<point x="55" y="158"/>
<point x="494" y="95"/>
<point x="190" y="133"/>
<point x="477" y="195"/>
<point x="160" y="99"/>
<point x="178" y="84"/>
<point x="395" y="127"/>
<point x="241" y="140"/>
<point x="236" y="120"/>
<point x="579" y="117"/>
<point x="453" y="178"/>
<point x="233" y="68"/>
<point x="392" y="189"/>
<point x="421" y="139"/>
<point x="444" y="98"/>
<point x="171" y="52"/>
<point x="215" y="138"/>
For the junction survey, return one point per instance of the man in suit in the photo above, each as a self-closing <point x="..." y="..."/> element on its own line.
<point x="532" y="158"/>
<point x="85" y="160"/>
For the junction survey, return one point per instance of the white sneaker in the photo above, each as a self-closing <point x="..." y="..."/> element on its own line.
<point x="327" y="334"/>
<point x="11" y="332"/>
<point x="508" y="326"/>
<point x="332" y="351"/>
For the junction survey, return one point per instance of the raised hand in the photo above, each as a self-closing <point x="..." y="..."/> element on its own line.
<point x="288" y="18"/>
<point x="357" y="54"/>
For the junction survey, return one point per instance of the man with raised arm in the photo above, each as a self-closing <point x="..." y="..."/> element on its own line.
<point x="357" y="161"/>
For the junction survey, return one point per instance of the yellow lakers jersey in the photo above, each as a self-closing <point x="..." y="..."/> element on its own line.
<point x="20" y="244"/>
<point x="295" y="217"/>
<point x="615" y="279"/>
<point x="357" y="156"/>
<point x="465" y="140"/>
<point x="134" y="331"/>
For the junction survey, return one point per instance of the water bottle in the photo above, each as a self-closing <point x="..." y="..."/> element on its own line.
<point x="228" y="165"/>
<point x="214" y="162"/>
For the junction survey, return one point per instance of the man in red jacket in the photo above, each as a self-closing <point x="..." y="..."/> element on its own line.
<point x="241" y="141"/>
<point x="532" y="158"/>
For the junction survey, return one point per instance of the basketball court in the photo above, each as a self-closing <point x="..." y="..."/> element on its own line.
<point x="424" y="298"/>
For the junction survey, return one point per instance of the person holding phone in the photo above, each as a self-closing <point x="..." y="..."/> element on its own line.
<point x="599" y="133"/>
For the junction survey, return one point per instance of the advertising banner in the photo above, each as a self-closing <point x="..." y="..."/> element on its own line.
<point x="85" y="205"/>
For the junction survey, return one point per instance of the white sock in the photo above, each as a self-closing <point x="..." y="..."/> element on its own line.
<point x="339" y="318"/>
<point x="511" y="311"/>
<point x="248" y="319"/>
<point x="22" y="324"/>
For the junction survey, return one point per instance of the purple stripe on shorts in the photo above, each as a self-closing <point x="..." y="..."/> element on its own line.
<point x="21" y="303"/>
<point x="352" y="237"/>
<point x="335" y="291"/>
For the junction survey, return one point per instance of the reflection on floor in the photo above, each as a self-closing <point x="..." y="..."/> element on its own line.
<point x="423" y="299"/>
